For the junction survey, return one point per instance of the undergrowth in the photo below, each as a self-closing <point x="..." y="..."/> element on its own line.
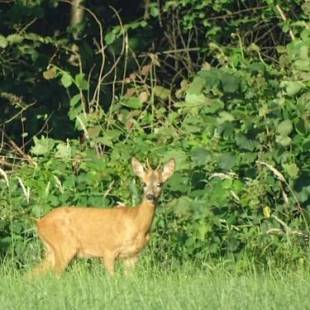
<point x="233" y="114"/>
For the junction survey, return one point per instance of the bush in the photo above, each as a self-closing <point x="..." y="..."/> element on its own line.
<point x="238" y="129"/>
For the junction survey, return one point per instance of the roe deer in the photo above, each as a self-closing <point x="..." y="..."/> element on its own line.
<point x="110" y="234"/>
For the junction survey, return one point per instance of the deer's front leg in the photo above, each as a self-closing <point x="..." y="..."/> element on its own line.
<point x="108" y="262"/>
<point x="129" y="264"/>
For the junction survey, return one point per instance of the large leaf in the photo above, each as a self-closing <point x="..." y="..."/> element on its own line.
<point x="161" y="92"/>
<point x="225" y="117"/>
<point x="63" y="151"/>
<point x="292" y="170"/>
<point x="42" y="146"/>
<point x="183" y="206"/>
<point x="14" y="38"/>
<point x="195" y="99"/>
<point x="244" y="143"/>
<point x="285" y="128"/>
<point x="179" y="156"/>
<point x="50" y="73"/>
<point x="196" y="86"/>
<point x="66" y="79"/>
<point x="200" y="156"/>
<point x="213" y="105"/>
<point x="211" y="78"/>
<point x="110" y="37"/>
<point x="81" y="82"/>
<point x="227" y="161"/>
<point x="283" y="140"/>
<point x="3" y="42"/>
<point x="292" y="87"/>
<point x="133" y="103"/>
<point x="75" y="100"/>
<point x="230" y="83"/>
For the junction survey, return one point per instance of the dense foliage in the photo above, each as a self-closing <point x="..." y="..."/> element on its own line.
<point x="223" y="87"/>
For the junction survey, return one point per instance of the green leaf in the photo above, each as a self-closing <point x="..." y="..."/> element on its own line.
<point x="63" y="151"/>
<point x="230" y="83"/>
<point x="247" y="158"/>
<point x="75" y="100"/>
<point x="183" y="206"/>
<point x="200" y="156"/>
<point x="133" y="103"/>
<point x="302" y="65"/>
<point x="50" y="73"/>
<point x="306" y="145"/>
<point x="225" y="117"/>
<point x="109" y="38"/>
<point x="14" y="38"/>
<point x="293" y="87"/>
<point x="227" y="161"/>
<point x="154" y="10"/>
<point x="194" y="94"/>
<point x="93" y="132"/>
<point x="244" y="143"/>
<point x="81" y="81"/>
<point x="42" y="146"/>
<point x="213" y="105"/>
<point x="161" y="92"/>
<point x="283" y="140"/>
<point x="106" y="140"/>
<point x="196" y="86"/>
<point x="179" y="156"/>
<point x="37" y="211"/>
<point x="306" y="8"/>
<point x="292" y="170"/>
<point x="195" y="99"/>
<point x="66" y="79"/>
<point x="81" y="119"/>
<point x="3" y="41"/>
<point x="76" y="110"/>
<point x="285" y="128"/>
<point x="113" y="133"/>
<point x="179" y="182"/>
<point x="211" y="78"/>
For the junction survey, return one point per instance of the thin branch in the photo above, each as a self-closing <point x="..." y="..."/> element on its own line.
<point x="286" y="229"/>
<point x="231" y="15"/>
<point x="281" y="178"/>
<point x="96" y="95"/>
<point x="17" y="114"/>
<point x="283" y="17"/>
<point x="18" y="150"/>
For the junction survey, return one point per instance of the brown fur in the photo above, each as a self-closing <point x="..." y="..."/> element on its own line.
<point x="110" y="234"/>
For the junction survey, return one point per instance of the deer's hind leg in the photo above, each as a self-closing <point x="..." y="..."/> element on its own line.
<point x="60" y="248"/>
<point x="64" y="247"/>
<point x="47" y="264"/>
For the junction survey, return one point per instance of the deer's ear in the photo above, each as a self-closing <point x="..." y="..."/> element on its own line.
<point x="168" y="170"/>
<point x="137" y="168"/>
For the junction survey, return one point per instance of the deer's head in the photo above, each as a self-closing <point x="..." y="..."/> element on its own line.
<point x="153" y="180"/>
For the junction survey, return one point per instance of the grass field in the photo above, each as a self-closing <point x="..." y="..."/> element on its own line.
<point x="186" y="288"/>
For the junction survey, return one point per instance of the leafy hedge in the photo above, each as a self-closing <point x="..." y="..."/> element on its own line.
<point x="238" y="129"/>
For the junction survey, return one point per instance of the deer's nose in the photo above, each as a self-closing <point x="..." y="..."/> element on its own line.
<point x="150" y="197"/>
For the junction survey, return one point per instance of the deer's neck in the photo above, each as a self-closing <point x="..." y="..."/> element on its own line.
<point x="145" y="215"/>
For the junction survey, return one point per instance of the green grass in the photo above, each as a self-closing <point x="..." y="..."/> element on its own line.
<point x="186" y="288"/>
